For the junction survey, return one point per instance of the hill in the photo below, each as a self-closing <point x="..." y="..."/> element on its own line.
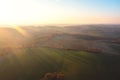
<point x="81" y="52"/>
<point x="34" y="63"/>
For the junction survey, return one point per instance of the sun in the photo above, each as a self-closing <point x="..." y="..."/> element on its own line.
<point x="16" y="12"/>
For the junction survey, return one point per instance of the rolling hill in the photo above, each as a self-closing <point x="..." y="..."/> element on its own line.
<point x="81" y="52"/>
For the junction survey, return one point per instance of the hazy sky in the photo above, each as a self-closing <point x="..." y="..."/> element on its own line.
<point x="30" y="12"/>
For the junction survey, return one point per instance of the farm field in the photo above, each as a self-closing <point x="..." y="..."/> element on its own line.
<point x="33" y="63"/>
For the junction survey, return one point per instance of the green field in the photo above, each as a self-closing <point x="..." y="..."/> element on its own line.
<point x="33" y="63"/>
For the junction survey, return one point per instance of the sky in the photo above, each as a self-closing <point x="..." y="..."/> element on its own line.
<point x="35" y="12"/>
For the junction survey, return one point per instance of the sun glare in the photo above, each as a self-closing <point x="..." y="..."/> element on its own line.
<point x="20" y="30"/>
<point x="31" y="12"/>
<point x="26" y="12"/>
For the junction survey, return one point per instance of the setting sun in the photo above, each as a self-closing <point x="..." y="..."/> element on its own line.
<point x="24" y="12"/>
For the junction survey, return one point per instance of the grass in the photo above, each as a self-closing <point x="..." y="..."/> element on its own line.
<point x="33" y="63"/>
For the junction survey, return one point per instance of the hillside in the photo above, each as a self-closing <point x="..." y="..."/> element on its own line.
<point x="81" y="52"/>
<point x="34" y="63"/>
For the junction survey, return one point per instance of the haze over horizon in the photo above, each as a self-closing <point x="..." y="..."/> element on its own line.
<point x="35" y="12"/>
